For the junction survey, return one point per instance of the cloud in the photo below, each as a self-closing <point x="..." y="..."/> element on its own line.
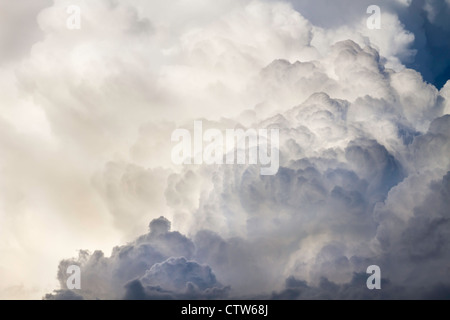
<point x="421" y="29"/>
<point x="154" y="266"/>
<point x="177" y="278"/>
<point x="63" y="295"/>
<point x="333" y="208"/>
<point x="85" y="137"/>
<point x="20" y="19"/>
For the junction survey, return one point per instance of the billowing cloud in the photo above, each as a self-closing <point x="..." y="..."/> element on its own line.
<point x="363" y="119"/>
<point x="156" y="265"/>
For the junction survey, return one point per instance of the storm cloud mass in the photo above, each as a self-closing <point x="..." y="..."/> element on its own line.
<point x="85" y="138"/>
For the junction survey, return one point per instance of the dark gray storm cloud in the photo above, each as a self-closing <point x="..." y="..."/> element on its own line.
<point x="157" y="265"/>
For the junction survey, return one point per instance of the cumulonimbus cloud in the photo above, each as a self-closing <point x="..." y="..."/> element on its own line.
<point x="364" y="146"/>
<point x="340" y="202"/>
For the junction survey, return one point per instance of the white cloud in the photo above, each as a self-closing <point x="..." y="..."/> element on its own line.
<point x="85" y="138"/>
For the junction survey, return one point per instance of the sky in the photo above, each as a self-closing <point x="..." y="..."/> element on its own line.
<point x="87" y="178"/>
